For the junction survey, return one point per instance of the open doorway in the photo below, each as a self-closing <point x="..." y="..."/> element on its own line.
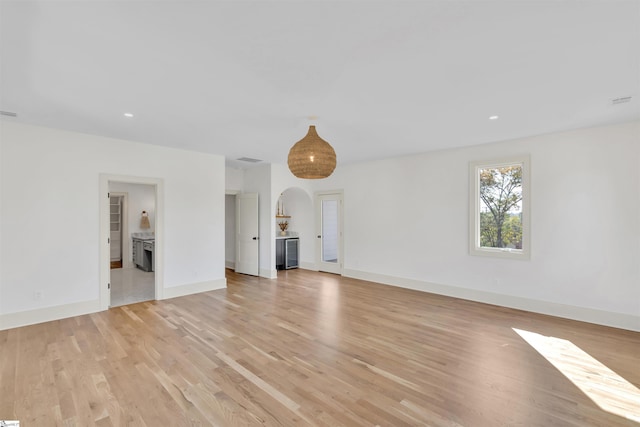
<point x="242" y="250"/>
<point x="132" y="223"/>
<point x="230" y="231"/>
<point x="294" y="225"/>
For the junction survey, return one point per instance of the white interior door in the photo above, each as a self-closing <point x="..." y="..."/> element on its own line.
<point x="247" y="237"/>
<point x="329" y="236"/>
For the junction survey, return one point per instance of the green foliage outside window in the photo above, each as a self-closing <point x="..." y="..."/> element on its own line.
<point x="501" y="209"/>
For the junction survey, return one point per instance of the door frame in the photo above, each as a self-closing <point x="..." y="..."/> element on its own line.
<point x="338" y="267"/>
<point x="104" y="261"/>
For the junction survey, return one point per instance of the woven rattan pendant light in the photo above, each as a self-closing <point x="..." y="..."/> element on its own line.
<point x="312" y="157"/>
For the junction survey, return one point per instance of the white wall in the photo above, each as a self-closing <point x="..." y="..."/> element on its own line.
<point x="234" y="179"/>
<point x="406" y="223"/>
<point x="50" y="218"/>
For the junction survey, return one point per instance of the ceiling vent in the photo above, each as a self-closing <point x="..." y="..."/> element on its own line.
<point x="249" y="160"/>
<point x="8" y="113"/>
<point x="622" y="100"/>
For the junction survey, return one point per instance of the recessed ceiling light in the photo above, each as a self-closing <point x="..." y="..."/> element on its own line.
<point x="128" y="115"/>
<point x="494" y="117"/>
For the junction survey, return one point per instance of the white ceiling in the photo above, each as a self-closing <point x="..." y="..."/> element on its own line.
<point x="384" y="78"/>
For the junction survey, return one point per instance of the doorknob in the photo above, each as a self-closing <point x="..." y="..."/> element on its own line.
<point x="319" y="236"/>
<point x="255" y="238"/>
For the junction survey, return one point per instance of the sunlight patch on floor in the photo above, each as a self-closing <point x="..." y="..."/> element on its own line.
<point x="603" y="386"/>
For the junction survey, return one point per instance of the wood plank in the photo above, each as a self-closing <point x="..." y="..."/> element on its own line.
<point x="317" y="349"/>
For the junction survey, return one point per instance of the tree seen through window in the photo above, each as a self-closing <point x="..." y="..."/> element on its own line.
<point x="501" y="207"/>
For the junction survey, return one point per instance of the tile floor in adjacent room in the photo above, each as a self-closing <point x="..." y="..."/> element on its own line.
<point x="131" y="285"/>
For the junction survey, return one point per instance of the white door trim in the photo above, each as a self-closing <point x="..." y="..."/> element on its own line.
<point x="104" y="253"/>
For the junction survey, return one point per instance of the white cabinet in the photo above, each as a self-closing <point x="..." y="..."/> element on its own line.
<point x="138" y="252"/>
<point x="115" y="226"/>
<point x="143" y="249"/>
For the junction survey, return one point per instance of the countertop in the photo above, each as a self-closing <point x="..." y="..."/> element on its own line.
<point x="144" y="236"/>
<point x="288" y="236"/>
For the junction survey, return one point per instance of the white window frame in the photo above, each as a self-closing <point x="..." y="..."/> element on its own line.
<point x="474" y="208"/>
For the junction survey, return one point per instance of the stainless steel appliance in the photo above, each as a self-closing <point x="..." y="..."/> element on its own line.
<point x="291" y="253"/>
<point x="287" y="253"/>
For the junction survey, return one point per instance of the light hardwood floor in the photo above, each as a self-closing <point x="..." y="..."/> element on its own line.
<point x="317" y="349"/>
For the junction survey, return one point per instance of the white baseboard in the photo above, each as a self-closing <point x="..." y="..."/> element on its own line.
<point x="230" y="264"/>
<point x="617" y="320"/>
<point x="590" y="315"/>
<point x="308" y="266"/>
<point x="194" y="288"/>
<point x="47" y="314"/>
<point x="268" y="274"/>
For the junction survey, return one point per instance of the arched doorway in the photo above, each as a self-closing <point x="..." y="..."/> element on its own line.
<point x="295" y="207"/>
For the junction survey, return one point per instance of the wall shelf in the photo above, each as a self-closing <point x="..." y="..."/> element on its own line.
<point x="283" y="216"/>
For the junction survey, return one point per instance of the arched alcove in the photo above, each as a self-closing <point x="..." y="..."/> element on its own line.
<point x="297" y="203"/>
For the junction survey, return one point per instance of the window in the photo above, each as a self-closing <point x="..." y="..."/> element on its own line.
<point x="499" y="208"/>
